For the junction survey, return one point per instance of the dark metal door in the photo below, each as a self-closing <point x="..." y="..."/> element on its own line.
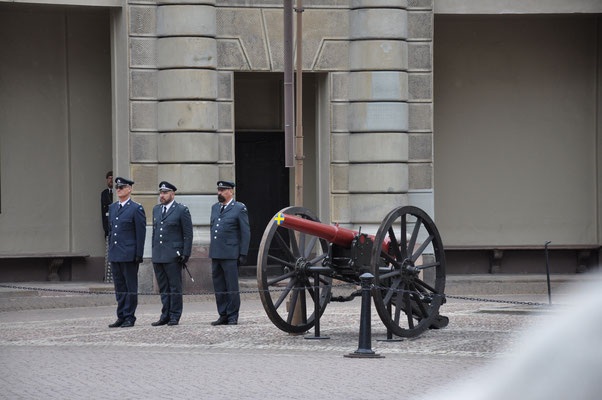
<point x="262" y="183"/>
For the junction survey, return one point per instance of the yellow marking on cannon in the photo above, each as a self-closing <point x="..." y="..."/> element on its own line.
<point x="279" y="218"/>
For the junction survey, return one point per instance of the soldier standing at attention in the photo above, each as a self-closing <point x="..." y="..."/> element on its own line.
<point x="172" y="244"/>
<point x="230" y="235"/>
<point x="127" y="228"/>
<point x="106" y="198"/>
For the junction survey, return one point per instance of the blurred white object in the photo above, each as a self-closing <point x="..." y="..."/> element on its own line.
<point x="558" y="359"/>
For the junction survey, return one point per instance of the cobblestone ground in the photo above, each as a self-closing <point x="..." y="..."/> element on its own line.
<point x="70" y="353"/>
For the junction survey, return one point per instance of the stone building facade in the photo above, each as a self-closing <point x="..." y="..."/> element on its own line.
<point x="378" y="59"/>
<point x="175" y="110"/>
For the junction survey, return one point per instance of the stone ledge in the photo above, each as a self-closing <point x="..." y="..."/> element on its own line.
<point x="355" y="4"/>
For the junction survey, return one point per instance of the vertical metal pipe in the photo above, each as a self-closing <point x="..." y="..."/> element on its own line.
<point x="317" y="303"/>
<point x="299" y="133"/>
<point x="548" y="272"/>
<point x="299" y="102"/>
<point x="289" y="100"/>
<point x="389" y="331"/>
<point x="316" y="309"/>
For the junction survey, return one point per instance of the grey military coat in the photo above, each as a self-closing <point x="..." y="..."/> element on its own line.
<point x="230" y="231"/>
<point x="127" y="231"/>
<point x="171" y="233"/>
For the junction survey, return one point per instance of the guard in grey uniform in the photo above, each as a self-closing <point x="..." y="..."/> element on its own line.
<point x="127" y="230"/>
<point x="230" y="236"/>
<point x="172" y="244"/>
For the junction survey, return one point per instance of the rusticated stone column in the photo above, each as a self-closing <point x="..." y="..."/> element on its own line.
<point x="370" y="116"/>
<point x="420" y="101"/>
<point x="143" y="156"/>
<point x="187" y="115"/>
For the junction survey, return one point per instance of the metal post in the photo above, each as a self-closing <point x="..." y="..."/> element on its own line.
<point x="296" y="320"/>
<point x="548" y="272"/>
<point x="299" y="156"/>
<point x="289" y="100"/>
<point x="389" y="332"/>
<point x="316" y="309"/>
<point x="364" y="349"/>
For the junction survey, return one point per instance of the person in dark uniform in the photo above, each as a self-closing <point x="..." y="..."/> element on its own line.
<point x="127" y="228"/>
<point x="172" y="244"/>
<point x="230" y="236"/>
<point x="106" y="198"/>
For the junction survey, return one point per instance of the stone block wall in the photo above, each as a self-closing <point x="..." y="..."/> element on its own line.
<point x="183" y="55"/>
<point x="143" y="100"/>
<point x="420" y="102"/>
<point x="175" y="116"/>
<point x="382" y="111"/>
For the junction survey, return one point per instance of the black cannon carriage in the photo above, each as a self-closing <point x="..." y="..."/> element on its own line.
<point x="299" y="254"/>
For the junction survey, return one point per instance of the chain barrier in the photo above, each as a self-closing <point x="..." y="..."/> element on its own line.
<point x="206" y="293"/>
<point x="275" y="290"/>
<point x="477" y="299"/>
<point x="526" y="303"/>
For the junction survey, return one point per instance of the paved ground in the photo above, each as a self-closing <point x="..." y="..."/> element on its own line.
<point x="70" y="353"/>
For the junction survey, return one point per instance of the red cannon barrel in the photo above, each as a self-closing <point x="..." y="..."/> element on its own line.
<point x="332" y="233"/>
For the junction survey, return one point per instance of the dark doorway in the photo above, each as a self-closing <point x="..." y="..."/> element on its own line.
<point x="262" y="183"/>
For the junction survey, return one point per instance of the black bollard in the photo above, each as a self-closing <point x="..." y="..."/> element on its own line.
<point x="364" y="349"/>
<point x="316" y="309"/>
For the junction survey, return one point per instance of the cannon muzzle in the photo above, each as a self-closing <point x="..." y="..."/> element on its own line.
<point x="331" y="233"/>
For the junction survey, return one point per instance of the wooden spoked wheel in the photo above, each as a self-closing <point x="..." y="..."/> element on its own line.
<point x="409" y="276"/>
<point x="285" y="277"/>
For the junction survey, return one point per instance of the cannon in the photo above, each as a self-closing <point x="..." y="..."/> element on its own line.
<point x="299" y="258"/>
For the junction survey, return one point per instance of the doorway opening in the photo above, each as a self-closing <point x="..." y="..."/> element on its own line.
<point x="262" y="182"/>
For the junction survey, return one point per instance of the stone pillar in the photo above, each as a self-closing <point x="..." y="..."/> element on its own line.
<point x="185" y="141"/>
<point x="370" y="116"/>
<point x="420" y="101"/>
<point x="143" y="102"/>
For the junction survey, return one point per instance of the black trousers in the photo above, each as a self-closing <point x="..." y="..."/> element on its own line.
<point x="225" y="279"/>
<point x="125" y="279"/>
<point x="169" y="279"/>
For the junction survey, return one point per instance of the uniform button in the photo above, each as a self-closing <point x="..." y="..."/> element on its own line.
<point x="161" y="223"/>
<point x="116" y="217"/>
<point x="215" y="225"/>
<point x="115" y="226"/>
<point x="161" y="242"/>
<point x="219" y="219"/>
<point x="160" y="235"/>
<point x="115" y="242"/>
<point x="215" y="232"/>
<point x="161" y="229"/>
<point x="115" y="234"/>
<point x="215" y="237"/>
